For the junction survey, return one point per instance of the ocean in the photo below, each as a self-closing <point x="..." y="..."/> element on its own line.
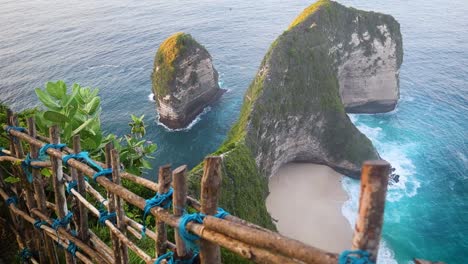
<point x="111" y="45"/>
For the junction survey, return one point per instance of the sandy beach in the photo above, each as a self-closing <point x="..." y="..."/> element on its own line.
<point x="306" y="199"/>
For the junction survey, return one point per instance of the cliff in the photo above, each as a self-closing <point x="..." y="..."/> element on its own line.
<point x="293" y="111"/>
<point x="184" y="80"/>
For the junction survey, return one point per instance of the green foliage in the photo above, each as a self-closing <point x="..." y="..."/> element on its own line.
<point x="134" y="153"/>
<point x="78" y="113"/>
<point x="138" y="126"/>
<point x="75" y="113"/>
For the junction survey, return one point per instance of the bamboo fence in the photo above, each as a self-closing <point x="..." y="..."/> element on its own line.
<point x="243" y="238"/>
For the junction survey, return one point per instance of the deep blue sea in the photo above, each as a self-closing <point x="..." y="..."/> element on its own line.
<point x="111" y="45"/>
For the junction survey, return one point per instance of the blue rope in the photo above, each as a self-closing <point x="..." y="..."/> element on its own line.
<point x="72" y="248"/>
<point x="43" y="149"/>
<point x="162" y="200"/>
<point x="1" y="151"/>
<point x="11" y="200"/>
<point x="83" y="157"/>
<point x="38" y="223"/>
<point x="20" y="129"/>
<point x="102" y="172"/>
<point x="189" y="238"/>
<point x="355" y="257"/>
<point x="105" y="215"/>
<point x="169" y="256"/>
<point x="62" y="222"/>
<point x="26" y="165"/>
<point x="72" y="185"/>
<point x="221" y="213"/>
<point x="25" y="254"/>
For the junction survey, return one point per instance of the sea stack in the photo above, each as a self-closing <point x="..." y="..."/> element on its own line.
<point x="295" y="108"/>
<point x="184" y="80"/>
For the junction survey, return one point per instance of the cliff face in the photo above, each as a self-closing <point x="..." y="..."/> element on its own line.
<point x="184" y="80"/>
<point x="293" y="111"/>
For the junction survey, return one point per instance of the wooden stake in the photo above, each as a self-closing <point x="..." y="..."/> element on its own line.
<point x="210" y="253"/>
<point x="115" y="160"/>
<point x="164" y="183"/>
<point x="111" y="197"/>
<point x="40" y="196"/>
<point x="83" y="230"/>
<point x="374" y="182"/>
<point x="59" y="186"/>
<point x="179" y="199"/>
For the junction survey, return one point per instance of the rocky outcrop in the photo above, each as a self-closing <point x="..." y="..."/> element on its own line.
<point x="184" y="80"/>
<point x="293" y="111"/>
<point x="368" y="52"/>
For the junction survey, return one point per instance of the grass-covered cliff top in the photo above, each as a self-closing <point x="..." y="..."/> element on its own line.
<point x="309" y="11"/>
<point x="169" y="50"/>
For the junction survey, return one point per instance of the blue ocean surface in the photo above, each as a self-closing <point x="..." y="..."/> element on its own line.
<point x="111" y="45"/>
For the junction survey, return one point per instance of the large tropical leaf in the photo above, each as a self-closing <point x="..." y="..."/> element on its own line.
<point x="55" y="117"/>
<point x="47" y="100"/>
<point x="85" y="124"/>
<point x="57" y="90"/>
<point x="92" y="106"/>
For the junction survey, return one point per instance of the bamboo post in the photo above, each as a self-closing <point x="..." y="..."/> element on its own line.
<point x="111" y="198"/>
<point x="374" y="181"/>
<point x="83" y="230"/>
<point x="179" y="199"/>
<point x="210" y="189"/>
<point x="164" y="183"/>
<point x="17" y="151"/>
<point x="121" y="225"/>
<point x="40" y="197"/>
<point x="59" y="186"/>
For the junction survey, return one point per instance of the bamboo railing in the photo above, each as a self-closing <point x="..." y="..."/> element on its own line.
<point x="245" y="239"/>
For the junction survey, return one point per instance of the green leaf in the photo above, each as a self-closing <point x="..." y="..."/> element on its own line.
<point x="57" y="90"/>
<point x="92" y="106"/>
<point x="12" y="179"/>
<point x="55" y="117"/>
<point x="145" y="164"/>
<point x="46" y="100"/>
<point x="46" y="172"/>
<point x="70" y="97"/>
<point x="86" y="123"/>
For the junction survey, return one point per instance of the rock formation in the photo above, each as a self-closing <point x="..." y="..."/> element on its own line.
<point x="293" y="112"/>
<point x="184" y="80"/>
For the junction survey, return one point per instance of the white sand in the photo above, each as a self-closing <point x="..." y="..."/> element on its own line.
<point x="306" y="199"/>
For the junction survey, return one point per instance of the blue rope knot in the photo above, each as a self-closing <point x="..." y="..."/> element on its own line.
<point x="11" y="200"/>
<point x="169" y="256"/>
<point x="43" y="149"/>
<point x="72" y="248"/>
<point x="355" y="257"/>
<point x="25" y="254"/>
<point x="72" y="185"/>
<point x="106" y="215"/>
<point x="189" y="238"/>
<point x="26" y="165"/>
<point x="62" y="222"/>
<point x="83" y="157"/>
<point x="1" y="152"/>
<point x="162" y="200"/>
<point x="19" y="129"/>
<point x="38" y="223"/>
<point x="102" y="172"/>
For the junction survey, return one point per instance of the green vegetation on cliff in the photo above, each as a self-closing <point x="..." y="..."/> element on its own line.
<point x="166" y="57"/>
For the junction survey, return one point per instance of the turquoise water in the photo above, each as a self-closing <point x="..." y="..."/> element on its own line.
<point x="111" y="44"/>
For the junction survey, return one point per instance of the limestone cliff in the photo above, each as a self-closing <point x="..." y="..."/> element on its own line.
<point x="293" y="112"/>
<point x="184" y="80"/>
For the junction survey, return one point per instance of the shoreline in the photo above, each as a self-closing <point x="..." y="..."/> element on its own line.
<point x="306" y="200"/>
